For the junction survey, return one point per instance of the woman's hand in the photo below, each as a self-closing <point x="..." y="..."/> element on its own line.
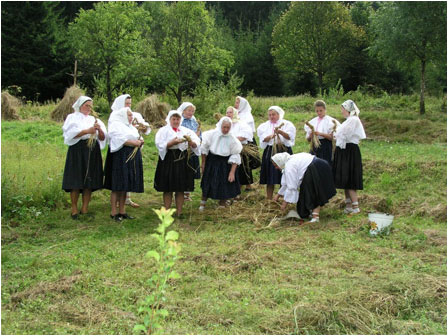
<point x="192" y="144"/>
<point x="231" y="177"/>
<point x="269" y="138"/>
<point x="91" y="130"/>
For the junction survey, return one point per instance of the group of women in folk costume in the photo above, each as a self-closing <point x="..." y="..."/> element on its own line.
<point x="308" y="179"/>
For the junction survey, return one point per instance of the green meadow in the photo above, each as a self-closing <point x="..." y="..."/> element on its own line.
<point x="238" y="276"/>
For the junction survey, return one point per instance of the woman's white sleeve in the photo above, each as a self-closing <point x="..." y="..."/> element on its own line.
<point x="103" y="128"/>
<point x="234" y="158"/>
<point x="292" y="183"/>
<point x="70" y="129"/>
<point x="197" y="141"/>
<point x="262" y="134"/>
<point x="290" y="129"/>
<point x="161" y="141"/>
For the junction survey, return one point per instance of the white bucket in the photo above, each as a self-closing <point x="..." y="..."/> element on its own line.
<point x="380" y="222"/>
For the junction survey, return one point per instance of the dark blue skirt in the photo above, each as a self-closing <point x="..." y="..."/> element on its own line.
<point x="122" y="176"/>
<point x="317" y="187"/>
<point x="268" y="174"/>
<point x="324" y="151"/>
<point x="83" y="167"/>
<point x="174" y="174"/>
<point x="215" y="182"/>
<point x="194" y="164"/>
<point x="347" y="167"/>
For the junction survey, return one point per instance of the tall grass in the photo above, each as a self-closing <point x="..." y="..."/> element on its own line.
<point x="31" y="178"/>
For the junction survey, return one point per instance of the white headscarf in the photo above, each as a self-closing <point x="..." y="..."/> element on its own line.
<point x="245" y="112"/>
<point x="183" y="106"/>
<point x="224" y="144"/>
<point x="119" y="102"/>
<point x="170" y="114"/>
<point x="279" y="110"/>
<point x="120" y="130"/>
<point x="351" y="107"/>
<point x="280" y="159"/>
<point x="79" y="102"/>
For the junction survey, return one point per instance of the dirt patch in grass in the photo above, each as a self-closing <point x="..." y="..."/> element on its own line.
<point x="436" y="237"/>
<point x="63" y="285"/>
<point x="88" y="312"/>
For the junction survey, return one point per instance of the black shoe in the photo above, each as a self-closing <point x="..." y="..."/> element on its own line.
<point x="126" y="216"/>
<point x="75" y="216"/>
<point x="117" y="218"/>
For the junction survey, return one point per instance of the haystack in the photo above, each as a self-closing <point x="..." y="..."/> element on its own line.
<point x="153" y="110"/>
<point x="65" y="105"/>
<point x="10" y="104"/>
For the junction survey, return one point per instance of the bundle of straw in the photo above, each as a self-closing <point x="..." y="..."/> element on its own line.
<point x="315" y="143"/>
<point x="199" y="125"/>
<point x="218" y="116"/>
<point x="92" y="140"/>
<point x="278" y="146"/>
<point x="140" y="127"/>
<point x="333" y="142"/>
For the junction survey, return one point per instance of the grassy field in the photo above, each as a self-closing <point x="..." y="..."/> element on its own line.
<point x="237" y="276"/>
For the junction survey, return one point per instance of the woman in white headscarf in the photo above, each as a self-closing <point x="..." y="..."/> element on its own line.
<point x="276" y="135"/>
<point x="245" y="111"/>
<point x="173" y="171"/>
<point x="125" y="173"/>
<point x="347" y="164"/>
<point x="83" y="171"/>
<point x="242" y="131"/>
<point x="306" y="181"/>
<point x="120" y="102"/>
<point x="220" y="151"/>
<point x="187" y="110"/>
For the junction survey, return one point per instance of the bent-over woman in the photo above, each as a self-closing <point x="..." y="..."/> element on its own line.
<point x="347" y="164"/>
<point x="125" y="173"/>
<point x="220" y="157"/>
<point x="306" y="181"/>
<point x="83" y="172"/>
<point x="174" y="172"/>
<point x="277" y="135"/>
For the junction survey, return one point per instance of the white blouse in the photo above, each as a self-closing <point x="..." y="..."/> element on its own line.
<point x="350" y="131"/>
<point x="292" y="176"/>
<point x="242" y="129"/>
<point x="267" y="128"/>
<point x="222" y="145"/>
<point x="142" y="121"/>
<point x="166" y="134"/>
<point x="324" y="126"/>
<point x="75" y="123"/>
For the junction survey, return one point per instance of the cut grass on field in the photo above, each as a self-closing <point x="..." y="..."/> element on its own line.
<point x="61" y="276"/>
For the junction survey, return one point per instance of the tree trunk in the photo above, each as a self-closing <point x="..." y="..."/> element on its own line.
<point x="422" y="87"/>
<point x="179" y="95"/>
<point x="108" y="89"/>
<point x="321" y="76"/>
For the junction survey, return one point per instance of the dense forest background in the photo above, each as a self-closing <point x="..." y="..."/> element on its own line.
<point x="182" y="48"/>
